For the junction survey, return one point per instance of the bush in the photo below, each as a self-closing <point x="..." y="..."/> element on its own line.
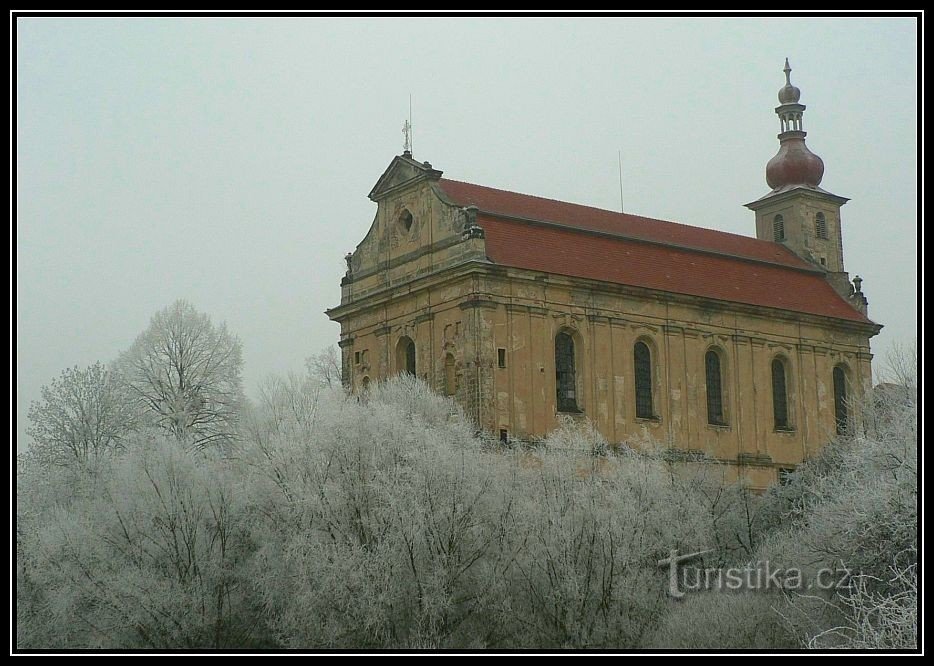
<point x="383" y="521"/>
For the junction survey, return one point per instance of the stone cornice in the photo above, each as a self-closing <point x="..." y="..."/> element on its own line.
<point x="474" y="266"/>
<point x="476" y="302"/>
<point x="794" y="193"/>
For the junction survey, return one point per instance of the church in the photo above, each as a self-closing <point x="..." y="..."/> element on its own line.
<point x="528" y="310"/>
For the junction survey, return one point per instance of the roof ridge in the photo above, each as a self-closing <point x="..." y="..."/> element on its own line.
<point x="532" y="208"/>
<point x="602" y="210"/>
<point x="622" y="236"/>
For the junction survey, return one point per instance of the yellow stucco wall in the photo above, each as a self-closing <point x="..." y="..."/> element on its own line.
<point x="430" y="283"/>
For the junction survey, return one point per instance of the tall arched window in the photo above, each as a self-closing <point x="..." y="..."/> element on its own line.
<point x="820" y="225"/>
<point x="642" y="358"/>
<point x="405" y="356"/>
<point x="780" y="395"/>
<point x="714" y="389"/>
<point x="778" y="228"/>
<point x="450" y="378"/>
<point x="840" y="410"/>
<point x="565" y="373"/>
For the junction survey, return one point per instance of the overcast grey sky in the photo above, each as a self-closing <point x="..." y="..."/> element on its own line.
<point x="227" y="160"/>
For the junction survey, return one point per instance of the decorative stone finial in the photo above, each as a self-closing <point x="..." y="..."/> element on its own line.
<point x="471" y="228"/>
<point x="789" y="94"/>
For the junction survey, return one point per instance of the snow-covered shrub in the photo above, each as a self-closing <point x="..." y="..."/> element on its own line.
<point x="148" y="555"/>
<point x="851" y="510"/>
<point x="383" y="520"/>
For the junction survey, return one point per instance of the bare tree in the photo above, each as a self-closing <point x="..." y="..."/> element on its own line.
<point x="901" y="366"/>
<point x="185" y="374"/>
<point x="324" y="367"/>
<point x="82" y="413"/>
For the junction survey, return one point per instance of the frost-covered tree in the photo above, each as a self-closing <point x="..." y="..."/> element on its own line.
<point x="83" y="413"/>
<point x="900" y="366"/>
<point x="148" y="554"/>
<point x="184" y="373"/>
<point x="851" y="512"/>
<point x="393" y="525"/>
<point x="324" y="368"/>
<point x="387" y="522"/>
<point x="286" y="408"/>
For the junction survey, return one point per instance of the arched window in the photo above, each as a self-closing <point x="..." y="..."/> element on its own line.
<point x="840" y="410"/>
<point x="714" y="389"/>
<point x="405" y="356"/>
<point x="450" y="377"/>
<point x="365" y="384"/>
<point x="778" y="228"/>
<point x="820" y="225"/>
<point x="780" y="395"/>
<point x="643" y="372"/>
<point x="565" y="373"/>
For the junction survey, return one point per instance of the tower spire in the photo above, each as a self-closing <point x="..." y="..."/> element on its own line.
<point x="794" y="164"/>
<point x="797" y="213"/>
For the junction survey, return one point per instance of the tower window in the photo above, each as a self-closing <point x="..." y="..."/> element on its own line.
<point x="565" y="373"/>
<point x="714" y="389"/>
<point x="778" y="228"/>
<point x="356" y="358"/>
<point x="820" y="226"/>
<point x="840" y="410"/>
<point x="779" y="395"/>
<point x="501" y="357"/>
<point x="643" y="371"/>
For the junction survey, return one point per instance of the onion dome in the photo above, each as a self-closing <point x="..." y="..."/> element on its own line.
<point x="794" y="164"/>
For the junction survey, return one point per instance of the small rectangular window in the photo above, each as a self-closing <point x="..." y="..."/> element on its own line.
<point x="356" y="358"/>
<point x="504" y="436"/>
<point x="784" y="475"/>
<point x="501" y="353"/>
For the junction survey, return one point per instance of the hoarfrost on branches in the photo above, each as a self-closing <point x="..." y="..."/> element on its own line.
<point x="184" y="374"/>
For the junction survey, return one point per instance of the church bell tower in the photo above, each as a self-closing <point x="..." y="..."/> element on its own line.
<point x="797" y="213"/>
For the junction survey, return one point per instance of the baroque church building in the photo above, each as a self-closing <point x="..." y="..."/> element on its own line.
<point x="525" y="309"/>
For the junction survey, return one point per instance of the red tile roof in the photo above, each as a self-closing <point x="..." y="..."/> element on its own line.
<point x="642" y="252"/>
